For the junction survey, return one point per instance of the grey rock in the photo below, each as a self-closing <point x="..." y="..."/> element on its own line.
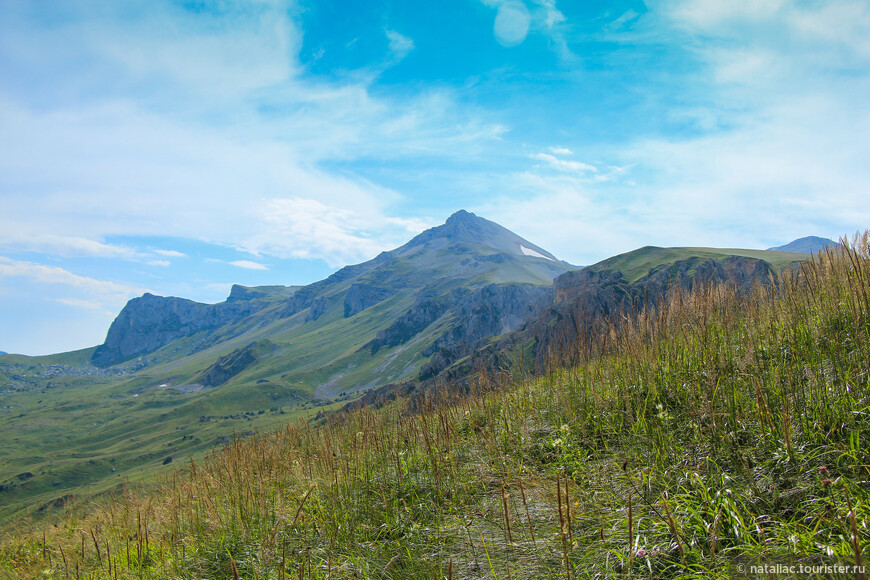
<point x="150" y="322"/>
<point x="228" y="366"/>
<point x="361" y="296"/>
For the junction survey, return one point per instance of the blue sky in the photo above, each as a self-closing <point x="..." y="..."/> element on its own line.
<point x="178" y="147"/>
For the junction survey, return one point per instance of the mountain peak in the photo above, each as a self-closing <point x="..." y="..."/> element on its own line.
<point x="806" y="245"/>
<point x="464" y="227"/>
<point x="462" y="217"/>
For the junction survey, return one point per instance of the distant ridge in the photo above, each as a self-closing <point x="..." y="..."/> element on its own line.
<point x="807" y="245"/>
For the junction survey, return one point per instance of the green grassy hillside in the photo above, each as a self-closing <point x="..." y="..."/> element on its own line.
<point x="718" y="431"/>
<point x="636" y="264"/>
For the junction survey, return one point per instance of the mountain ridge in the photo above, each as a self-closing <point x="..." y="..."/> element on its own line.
<point x="416" y="292"/>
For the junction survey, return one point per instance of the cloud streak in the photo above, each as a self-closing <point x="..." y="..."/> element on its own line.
<point x="248" y="265"/>
<point x="55" y="275"/>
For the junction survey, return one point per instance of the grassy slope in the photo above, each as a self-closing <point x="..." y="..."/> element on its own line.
<point x="84" y="435"/>
<point x="717" y="430"/>
<point x="636" y="264"/>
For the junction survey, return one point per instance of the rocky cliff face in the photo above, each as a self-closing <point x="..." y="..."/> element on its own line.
<point x="491" y="311"/>
<point x="228" y="366"/>
<point x="425" y="311"/>
<point x="735" y="270"/>
<point x="149" y="322"/>
<point x="585" y="299"/>
<point x="362" y="296"/>
<point x="474" y="315"/>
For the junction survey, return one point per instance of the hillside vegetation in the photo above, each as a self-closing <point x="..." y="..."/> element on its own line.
<point x="717" y="428"/>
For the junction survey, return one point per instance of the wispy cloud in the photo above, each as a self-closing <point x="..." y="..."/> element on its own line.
<point x="400" y="45"/>
<point x="58" y="245"/>
<point x="107" y="292"/>
<point x="336" y="233"/>
<point x="171" y="253"/>
<point x="205" y="116"/>
<point x="248" y="265"/>
<point x="51" y="309"/>
<point x="565" y="164"/>
<point x="708" y="14"/>
<point x="515" y="19"/>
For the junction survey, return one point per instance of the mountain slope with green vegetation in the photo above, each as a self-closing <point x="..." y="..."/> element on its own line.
<point x="715" y="429"/>
<point x="636" y="264"/>
<point x="451" y="300"/>
<point x="176" y="378"/>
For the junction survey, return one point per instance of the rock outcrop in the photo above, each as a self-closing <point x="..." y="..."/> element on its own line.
<point x="228" y="366"/>
<point x="150" y="322"/>
<point x="585" y="299"/>
<point x="488" y="312"/>
<point x="362" y="296"/>
<point x="426" y="310"/>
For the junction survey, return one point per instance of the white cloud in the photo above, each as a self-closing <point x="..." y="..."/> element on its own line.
<point x="565" y="165"/>
<point x="107" y="291"/>
<point x="511" y="23"/>
<point x="170" y="253"/>
<point x="180" y="181"/>
<point x="248" y="265"/>
<point x="563" y="215"/>
<point x="338" y="233"/>
<point x="622" y="20"/>
<point x="185" y="147"/>
<point x="708" y="14"/>
<point x="779" y="120"/>
<point x="400" y="45"/>
<point x="15" y="236"/>
<point x="778" y="39"/>
<point x="552" y="15"/>
<point x="155" y="48"/>
<point x="47" y="308"/>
